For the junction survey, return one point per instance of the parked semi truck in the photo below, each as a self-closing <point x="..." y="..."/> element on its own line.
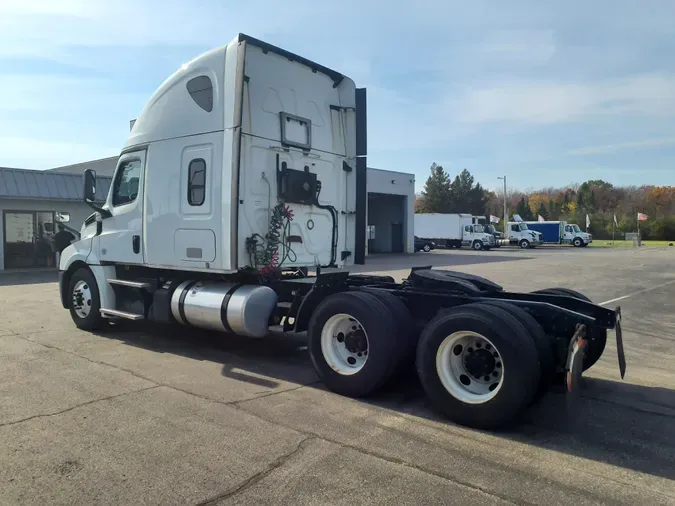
<point x="490" y="229"/>
<point x="560" y="232"/>
<point x="575" y="236"/>
<point x="453" y="231"/>
<point x="242" y="176"/>
<point x="519" y="234"/>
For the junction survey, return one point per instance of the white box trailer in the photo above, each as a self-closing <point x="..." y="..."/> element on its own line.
<point x="245" y="169"/>
<point x="453" y="230"/>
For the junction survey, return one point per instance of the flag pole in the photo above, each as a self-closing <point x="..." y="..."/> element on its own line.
<point x="613" y="227"/>
<point x="637" y="218"/>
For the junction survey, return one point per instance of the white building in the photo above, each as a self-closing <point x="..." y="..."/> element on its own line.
<point x="390" y="212"/>
<point x="30" y="199"/>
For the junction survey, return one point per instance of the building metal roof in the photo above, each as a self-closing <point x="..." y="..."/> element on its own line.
<point x="47" y="185"/>
<point x="102" y="166"/>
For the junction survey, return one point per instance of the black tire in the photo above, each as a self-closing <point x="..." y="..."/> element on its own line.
<point x="577" y="242"/>
<point x="383" y="345"/>
<point x="407" y="336"/>
<point x="541" y="341"/>
<point x="477" y="245"/>
<point x="426" y="248"/>
<point x="597" y="337"/>
<point x="518" y="354"/>
<point x="524" y="244"/>
<point x="93" y="320"/>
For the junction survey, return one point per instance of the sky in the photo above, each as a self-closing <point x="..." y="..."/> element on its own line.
<point x="546" y="93"/>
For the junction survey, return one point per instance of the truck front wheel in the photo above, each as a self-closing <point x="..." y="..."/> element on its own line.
<point x="577" y="242"/>
<point x="524" y="244"/>
<point x="85" y="301"/>
<point x="477" y="245"/>
<point x="354" y="344"/>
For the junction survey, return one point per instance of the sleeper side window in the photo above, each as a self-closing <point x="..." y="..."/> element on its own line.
<point x="200" y="89"/>
<point x="196" y="187"/>
<point x="127" y="179"/>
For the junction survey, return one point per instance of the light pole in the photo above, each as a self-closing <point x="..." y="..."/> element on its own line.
<point x="505" y="220"/>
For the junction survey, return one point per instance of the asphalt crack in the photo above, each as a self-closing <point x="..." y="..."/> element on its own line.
<point x="66" y="410"/>
<point x="249" y="482"/>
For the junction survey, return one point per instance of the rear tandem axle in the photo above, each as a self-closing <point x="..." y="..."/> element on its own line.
<point x="482" y="354"/>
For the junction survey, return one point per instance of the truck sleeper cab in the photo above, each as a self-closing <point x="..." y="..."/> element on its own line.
<point x="246" y="169"/>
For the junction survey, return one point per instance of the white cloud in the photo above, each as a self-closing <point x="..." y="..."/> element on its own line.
<point x="613" y="148"/>
<point x="553" y="102"/>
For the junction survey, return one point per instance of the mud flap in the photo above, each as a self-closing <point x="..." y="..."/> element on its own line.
<point x="575" y="362"/>
<point x="619" y="343"/>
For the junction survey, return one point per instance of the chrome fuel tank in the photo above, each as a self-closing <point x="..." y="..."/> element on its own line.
<point x="226" y="307"/>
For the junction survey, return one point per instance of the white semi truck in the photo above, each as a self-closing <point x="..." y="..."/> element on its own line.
<point x="245" y="170"/>
<point x="453" y="230"/>
<point x="518" y="234"/>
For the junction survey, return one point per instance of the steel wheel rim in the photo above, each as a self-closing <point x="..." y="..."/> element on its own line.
<point x="427" y="248"/>
<point x="344" y="344"/>
<point x="456" y="360"/>
<point x="477" y="246"/>
<point x="81" y="299"/>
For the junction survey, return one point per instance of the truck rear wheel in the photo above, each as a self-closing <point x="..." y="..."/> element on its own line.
<point x="479" y="365"/>
<point x="407" y="336"/>
<point x="597" y="335"/>
<point x="85" y="301"/>
<point x="353" y="343"/>
<point x="541" y="341"/>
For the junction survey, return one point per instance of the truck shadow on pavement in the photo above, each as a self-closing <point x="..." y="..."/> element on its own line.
<point x="616" y="423"/>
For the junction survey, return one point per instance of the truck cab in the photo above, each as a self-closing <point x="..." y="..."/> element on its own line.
<point x="575" y="236"/>
<point x="477" y="237"/>
<point x="519" y="234"/>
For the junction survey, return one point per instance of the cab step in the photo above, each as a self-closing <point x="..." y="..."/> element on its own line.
<point x="116" y="313"/>
<point x="130" y="284"/>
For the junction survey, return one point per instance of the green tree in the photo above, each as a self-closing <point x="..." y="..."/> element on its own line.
<point x="467" y="196"/>
<point x="436" y="196"/>
<point x="543" y="212"/>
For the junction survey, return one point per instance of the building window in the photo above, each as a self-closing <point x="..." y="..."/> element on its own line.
<point x="196" y="182"/>
<point x="200" y="89"/>
<point x="125" y="187"/>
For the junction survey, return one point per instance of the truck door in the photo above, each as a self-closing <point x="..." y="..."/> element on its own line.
<point x="467" y="235"/>
<point x="121" y="236"/>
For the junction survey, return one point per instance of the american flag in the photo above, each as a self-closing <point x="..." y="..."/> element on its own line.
<point x="642" y="217"/>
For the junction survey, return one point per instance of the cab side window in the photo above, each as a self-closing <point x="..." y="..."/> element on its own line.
<point x="515" y="228"/>
<point x="127" y="179"/>
<point x="196" y="182"/>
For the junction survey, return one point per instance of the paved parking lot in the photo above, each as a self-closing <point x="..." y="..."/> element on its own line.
<point x="156" y="416"/>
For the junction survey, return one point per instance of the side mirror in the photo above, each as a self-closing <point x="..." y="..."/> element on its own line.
<point x="62" y="217"/>
<point x="89" y="186"/>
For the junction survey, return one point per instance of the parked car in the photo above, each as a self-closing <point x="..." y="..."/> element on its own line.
<point x="424" y="245"/>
